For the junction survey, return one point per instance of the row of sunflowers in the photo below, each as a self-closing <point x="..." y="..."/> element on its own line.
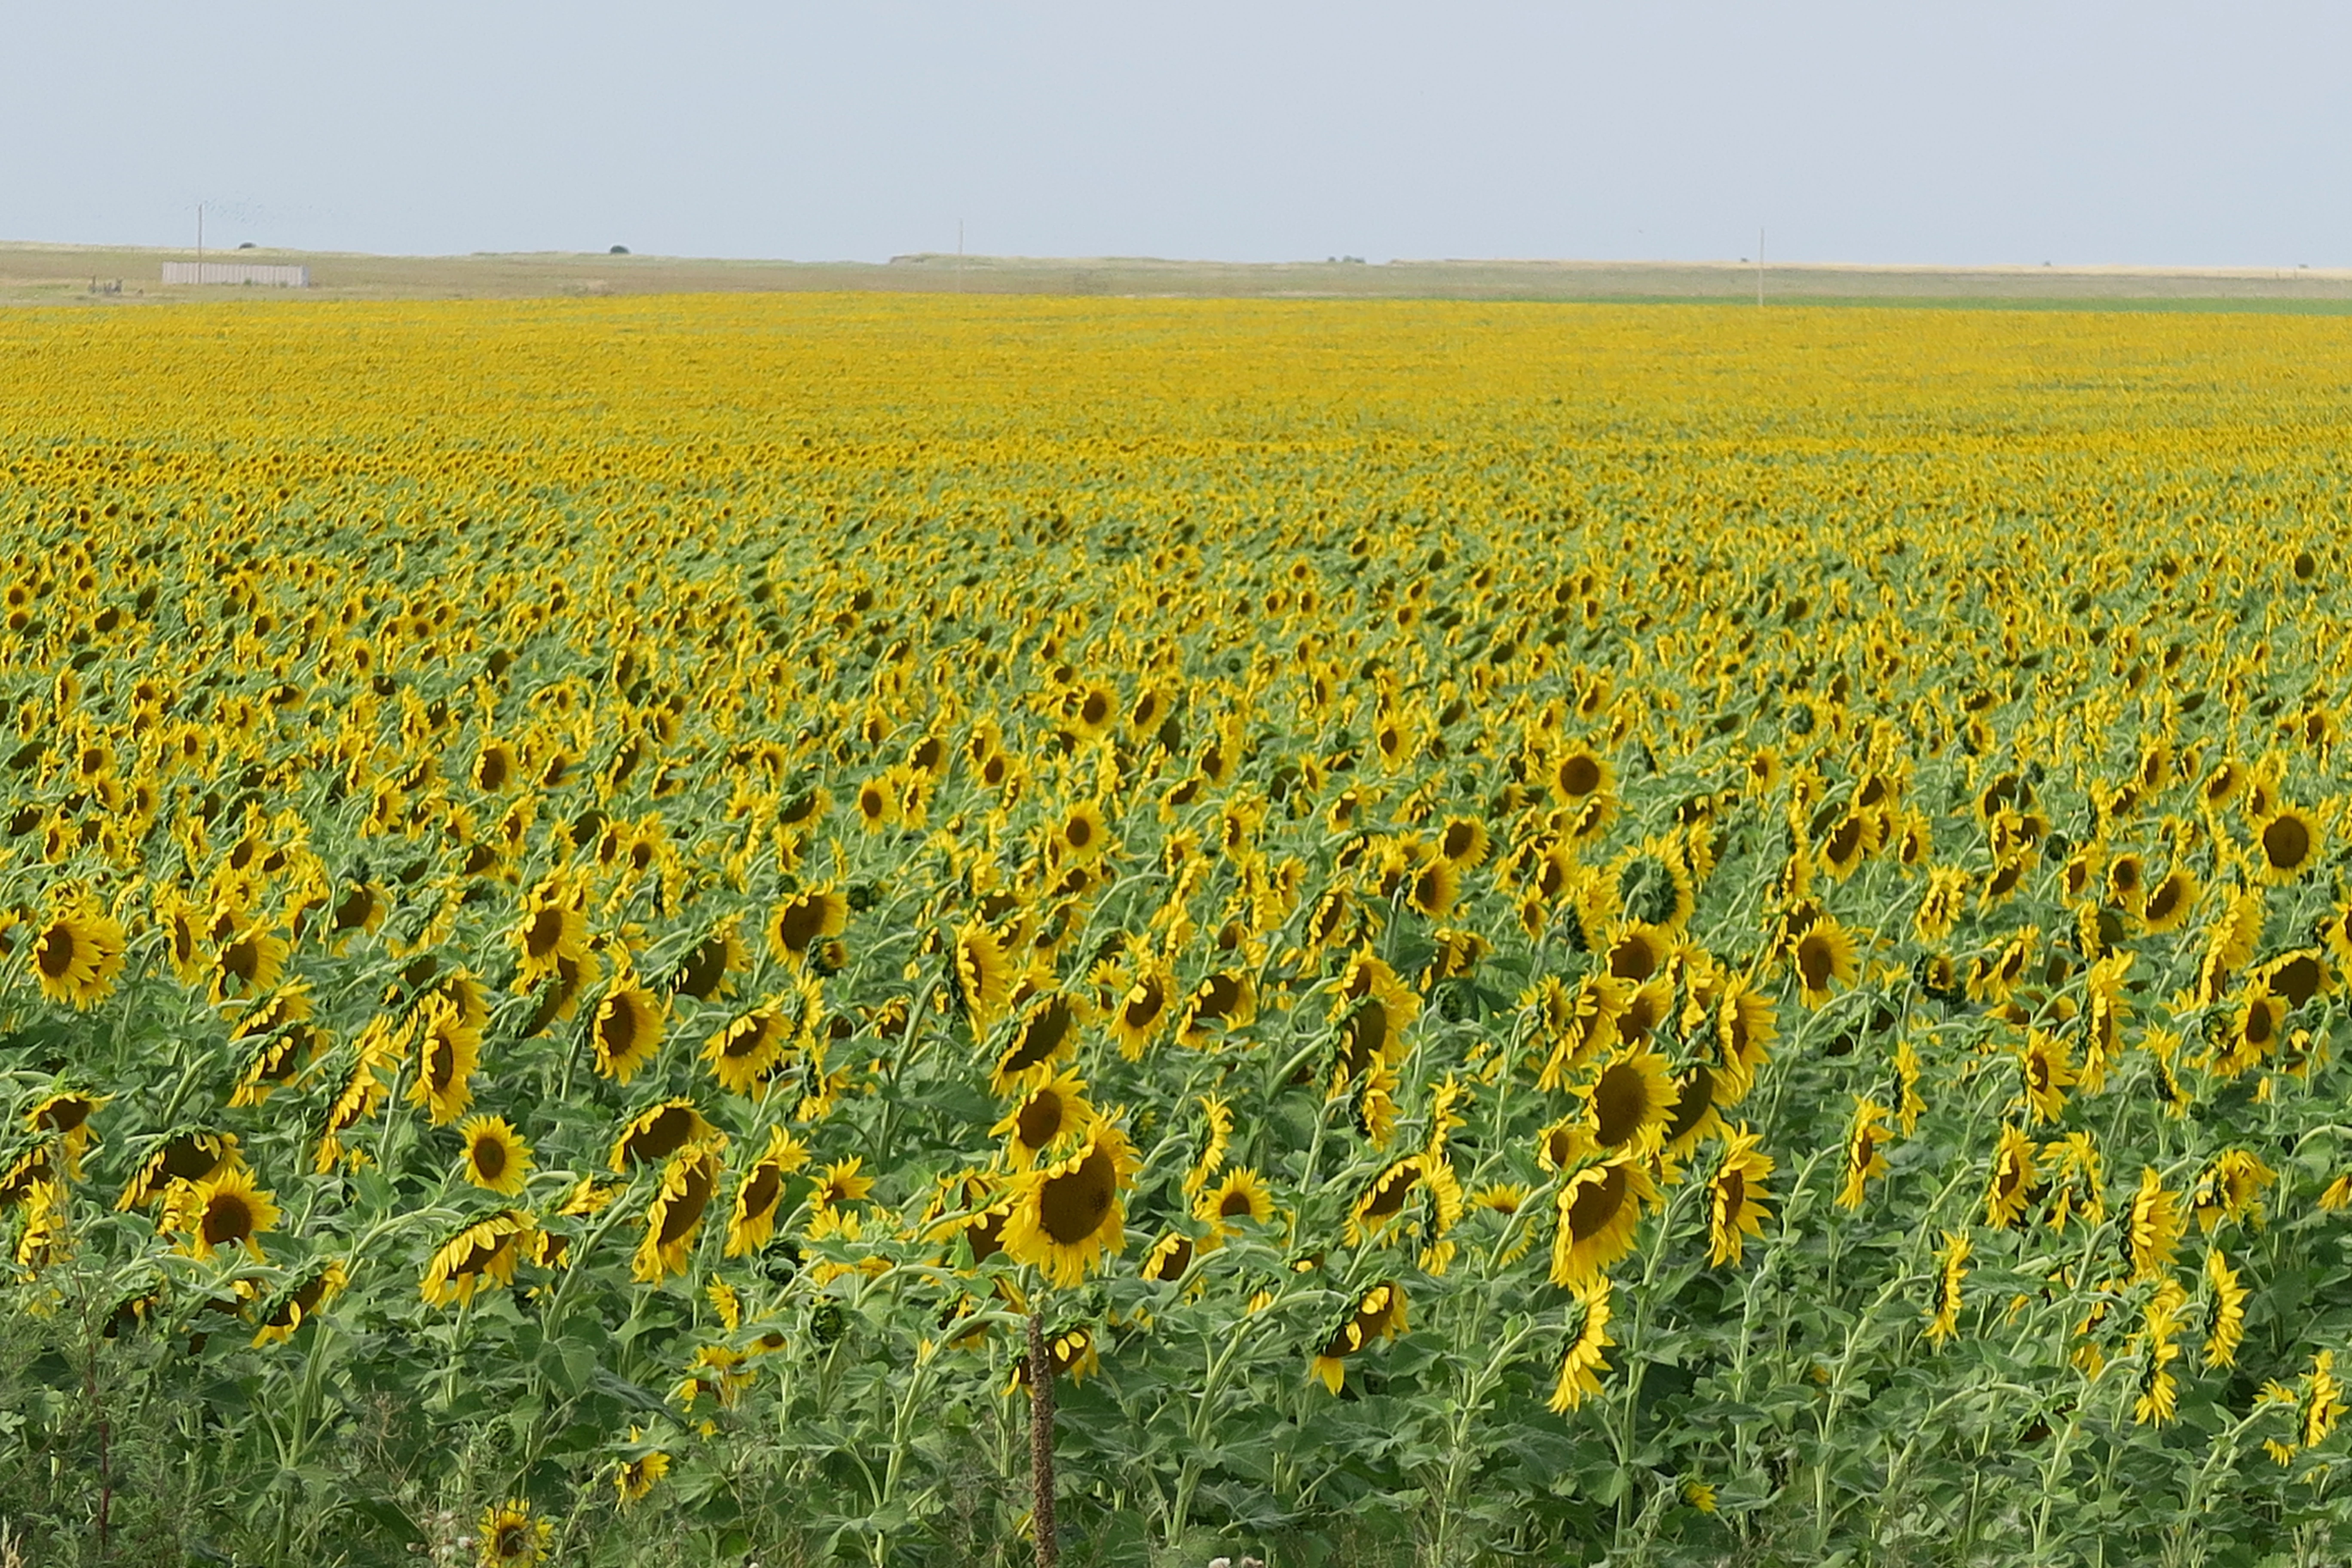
<point x="1515" y="930"/>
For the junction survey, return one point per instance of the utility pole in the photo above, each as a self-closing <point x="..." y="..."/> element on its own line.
<point x="1759" y="266"/>
<point x="959" y="256"/>
<point x="200" y="234"/>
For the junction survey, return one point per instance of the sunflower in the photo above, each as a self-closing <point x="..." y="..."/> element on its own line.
<point x="877" y="802"/>
<point x="1081" y="836"/>
<point x="1577" y="776"/>
<point x="707" y="973"/>
<point x="304" y="1296"/>
<point x="496" y="1156"/>
<point x="1585" y="1358"/>
<point x="984" y="974"/>
<point x="1600" y="1205"/>
<point x="1822" y="955"/>
<point x="507" y="1534"/>
<point x="1743" y="1032"/>
<point x="189" y="1155"/>
<point x="249" y="962"/>
<point x="2159" y="1391"/>
<point x="658" y="1132"/>
<point x="2014" y="1181"/>
<point x="1628" y="1104"/>
<point x="1865" y="1156"/>
<point x="1463" y="843"/>
<point x="449" y="1052"/>
<point x="759" y="1196"/>
<point x="2288" y="842"/>
<point x="2170" y="902"/>
<point x="2230" y="1188"/>
<point x="1169" y="1259"/>
<point x="1242" y="1196"/>
<point x="625" y="1029"/>
<point x="220" y="1212"/>
<point x="553" y="928"/>
<point x="1046" y="1031"/>
<point x="1379" y="1314"/>
<point x="77" y="956"/>
<point x="481" y="1252"/>
<point x="2152" y="1232"/>
<point x="841" y="1184"/>
<point x="748" y="1049"/>
<point x="2249" y="1031"/>
<point x="634" y="1478"/>
<point x="1223" y="1001"/>
<point x="1052" y="1115"/>
<point x="2225" y="1310"/>
<point x="674" y="1218"/>
<point x="805" y="919"/>
<point x="1944" y="1311"/>
<point x="1067" y="1215"/>
<point x="1735" y="1198"/>
<point x="1143" y="1008"/>
<point x="1215" y="1135"/>
<point x="2048" y="1072"/>
<point x="66" y="1115"/>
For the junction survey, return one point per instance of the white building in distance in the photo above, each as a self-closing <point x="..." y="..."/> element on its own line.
<point x="255" y="273"/>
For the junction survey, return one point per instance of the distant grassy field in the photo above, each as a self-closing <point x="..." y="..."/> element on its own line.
<point x="44" y="274"/>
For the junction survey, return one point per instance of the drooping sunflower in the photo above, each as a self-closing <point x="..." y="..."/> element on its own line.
<point x="983" y="975"/>
<point x="1585" y="1358"/>
<point x="303" y="1297"/>
<point x="1210" y="1143"/>
<point x="658" y="1132"/>
<point x="2232" y="1188"/>
<point x="1599" y="1206"/>
<point x="2044" y="1063"/>
<point x="495" y="1157"/>
<point x="2170" y="902"/>
<point x="227" y="1209"/>
<point x="759" y="1196"/>
<point x="707" y="973"/>
<point x="1944" y="1310"/>
<point x="625" y="1029"/>
<point x="77" y="956"/>
<point x="189" y="1154"/>
<point x="1067" y="1215"/>
<point x="1169" y="1257"/>
<point x="1379" y="1314"/>
<point x="674" y="1218"/>
<point x="508" y="1535"/>
<point x="1046" y="1031"/>
<point x="2012" y="1186"/>
<point x="2225" y="1310"/>
<point x="1865" y="1151"/>
<point x="634" y="1477"/>
<point x="1224" y="1000"/>
<point x="1737" y="1197"/>
<point x="2160" y="1390"/>
<point x="478" y="1253"/>
<point x="66" y="1115"/>
<point x="1743" y="1032"/>
<point x="2152" y="1231"/>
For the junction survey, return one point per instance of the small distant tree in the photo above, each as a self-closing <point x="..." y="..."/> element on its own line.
<point x="620" y="250"/>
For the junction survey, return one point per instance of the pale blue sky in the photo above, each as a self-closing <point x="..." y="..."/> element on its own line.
<point x="1962" y="130"/>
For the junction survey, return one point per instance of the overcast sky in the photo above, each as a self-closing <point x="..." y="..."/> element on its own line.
<point x="1901" y="131"/>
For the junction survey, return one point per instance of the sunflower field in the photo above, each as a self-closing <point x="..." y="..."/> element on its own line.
<point x="1461" y="932"/>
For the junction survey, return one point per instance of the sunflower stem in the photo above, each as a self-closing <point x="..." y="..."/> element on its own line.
<point x="1041" y="1444"/>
